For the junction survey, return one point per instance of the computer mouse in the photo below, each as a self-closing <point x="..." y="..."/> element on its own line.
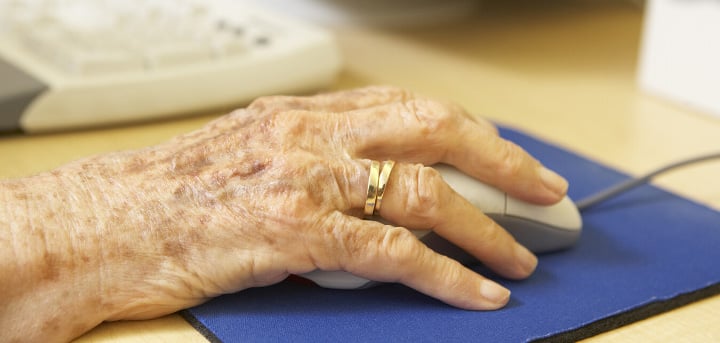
<point x="539" y="228"/>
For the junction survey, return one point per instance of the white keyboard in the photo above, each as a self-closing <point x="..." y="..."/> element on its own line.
<point x="79" y="63"/>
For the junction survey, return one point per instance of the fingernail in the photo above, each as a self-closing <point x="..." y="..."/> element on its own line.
<point x="554" y="182"/>
<point x="494" y="292"/>
<point x="528" y="261"/>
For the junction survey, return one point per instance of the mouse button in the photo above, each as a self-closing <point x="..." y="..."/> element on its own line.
<point x="337" y="279"/>
<point x="488" y="199"/>
<point x="538" y="237"/>
<point x="563" y="215"/>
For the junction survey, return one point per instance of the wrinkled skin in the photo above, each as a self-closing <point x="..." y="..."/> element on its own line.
<point x="273" y="189"/>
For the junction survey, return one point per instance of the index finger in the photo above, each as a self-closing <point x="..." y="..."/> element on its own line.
<point x="428" y="132"/>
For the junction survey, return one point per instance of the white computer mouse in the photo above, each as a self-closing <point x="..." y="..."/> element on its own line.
<point x="539" y="228"/>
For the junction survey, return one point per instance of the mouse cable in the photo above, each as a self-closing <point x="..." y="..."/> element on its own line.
<point x="625" y="186"/>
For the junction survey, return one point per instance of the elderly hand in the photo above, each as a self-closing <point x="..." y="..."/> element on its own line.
<point x="273" y="189"/>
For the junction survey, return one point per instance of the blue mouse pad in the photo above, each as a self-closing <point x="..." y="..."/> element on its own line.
<point x="641" y="253"/>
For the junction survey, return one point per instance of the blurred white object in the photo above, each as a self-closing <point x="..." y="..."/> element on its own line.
<point x="386" y="13"/>
<point x="79" y="63"/>
<point x="680" y="54"/>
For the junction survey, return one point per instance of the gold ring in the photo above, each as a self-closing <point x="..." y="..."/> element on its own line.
<point x="372" y="188"/>
<point x="382" y="183"/>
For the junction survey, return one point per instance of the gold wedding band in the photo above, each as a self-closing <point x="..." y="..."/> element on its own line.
<point x="382" y="183"/>
<point x="372" y="188"/>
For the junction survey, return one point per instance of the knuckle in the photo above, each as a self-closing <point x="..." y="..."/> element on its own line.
<point x="398" y="246"/>
<point x="424" y="195"/>
<point x="452" y="276"/>
<point x="290" y="123"/>
<point x="263" y="103"/>
<point x="276" y="102"/>
<point x="491" y="127"/>
<point x="346" y="245"/>
<point x="509" y="159"/>
<point x="275" y="107"/>
<point x="331" y="243"/>
<point x="492" y="239"/>
<point x="433" y="118"/>
<point x="493" y="236"/>
<point x="392" y="249"/>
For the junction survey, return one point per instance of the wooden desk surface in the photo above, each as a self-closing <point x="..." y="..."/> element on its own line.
<point x="563" y="71"/>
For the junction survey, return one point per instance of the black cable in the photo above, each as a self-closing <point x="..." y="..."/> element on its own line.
<point x="632" y="183"/>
